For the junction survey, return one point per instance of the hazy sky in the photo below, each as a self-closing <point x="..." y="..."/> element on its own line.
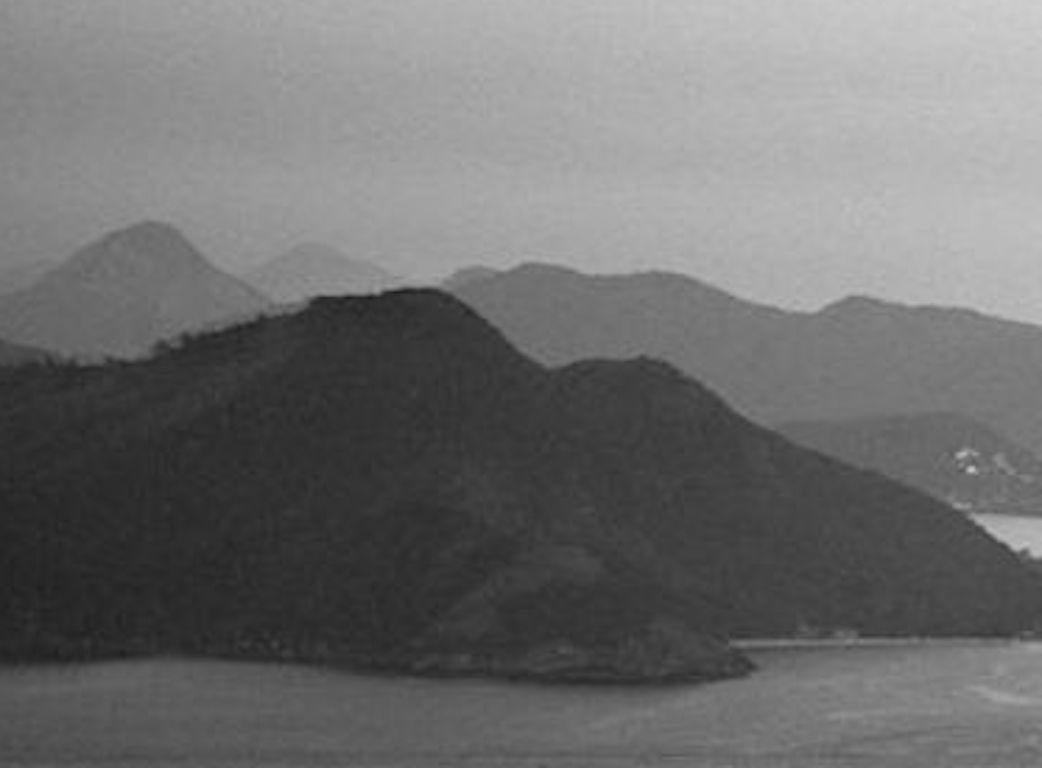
<point x="789" y="151"/>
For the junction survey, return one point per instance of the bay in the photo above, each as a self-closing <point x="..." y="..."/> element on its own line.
<point x="964" y="703"/>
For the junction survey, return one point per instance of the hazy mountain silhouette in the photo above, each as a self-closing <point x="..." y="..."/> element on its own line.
<point x="122" y="293"/>
<point x="859" y="357"/>
<point x="20" y="276"/>
<point x="462" y="277"/>
<point x="16" y="354"/>
<point x="386" y="479"/>
<point x="313" y="269"/>
<point x="950" y="456"/>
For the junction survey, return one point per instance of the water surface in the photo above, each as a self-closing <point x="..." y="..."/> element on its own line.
<point x="1016" y="531"/>
<point x="965" y="704"/>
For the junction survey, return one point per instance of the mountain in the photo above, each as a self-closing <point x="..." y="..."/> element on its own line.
<point x="312" y="269"/>
<point x="462" y="277"/>
<point x="20" y="276"/>
<point x="16" y="354"/>
<point x="955" y="458"/>
<point x="124" y="292"/>
<point x="856" y="358"/>
<point x="386" y="481"/>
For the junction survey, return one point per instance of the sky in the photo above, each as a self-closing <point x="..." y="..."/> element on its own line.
<point x="792" y="153"/>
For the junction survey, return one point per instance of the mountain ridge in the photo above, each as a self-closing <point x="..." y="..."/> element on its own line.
<point x="386" y="480"/>
<point x="18" y="354"/>
<point x="122" y="293"/>
<point x="853" y="358"/>
<point x="311" y="269"/>
<point x="951" y="456"/>
<point x="18" y="276"/>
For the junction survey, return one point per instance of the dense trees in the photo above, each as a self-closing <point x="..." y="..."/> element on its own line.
<point x="386" y="480"/>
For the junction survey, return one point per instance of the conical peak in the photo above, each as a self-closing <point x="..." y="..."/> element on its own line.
<point x="150" y="247"/>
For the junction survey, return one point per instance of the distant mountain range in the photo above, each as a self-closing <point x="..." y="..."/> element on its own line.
<point x="15" y="354"/>
<point x="462" y="277"/>
<point x="20" y="276"/>
<point x="387" y="481"/>
<point x="124" y="292"/>
<point x="950" y="456"/>
<point x="856" y="358"/>
<point x="312" y="269"/>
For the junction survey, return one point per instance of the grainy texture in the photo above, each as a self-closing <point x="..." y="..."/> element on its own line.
<point x="386" y="481"/>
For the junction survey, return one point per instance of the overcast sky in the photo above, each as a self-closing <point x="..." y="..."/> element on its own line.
<point x="791" y="152"/>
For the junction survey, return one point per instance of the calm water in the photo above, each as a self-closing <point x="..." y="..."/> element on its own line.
<point x="938" y="705"/>
<point x="1018" y="532"/>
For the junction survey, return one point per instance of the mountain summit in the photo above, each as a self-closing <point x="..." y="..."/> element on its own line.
<point x="150" y="250"/>
<point x="386" y="480"/>
<point x="313" y="269"/>
<point x="122" y="293"/>
<point x="857" y="358"/>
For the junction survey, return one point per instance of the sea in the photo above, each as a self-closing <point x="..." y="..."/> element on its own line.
<point x="945" y="704"/>
<point x="1016" y="531"/>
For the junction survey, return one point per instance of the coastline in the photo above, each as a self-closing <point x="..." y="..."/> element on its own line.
<point x="811" y="643"/>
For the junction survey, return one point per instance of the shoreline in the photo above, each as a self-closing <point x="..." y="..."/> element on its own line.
<point x="810" y="643"/>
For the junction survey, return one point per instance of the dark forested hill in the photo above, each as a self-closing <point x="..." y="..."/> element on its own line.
<point x="947" y="455"/>
<point x="124" y="292"/>
<point x="386" y="479"/>
<point x="856" y="358"/>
